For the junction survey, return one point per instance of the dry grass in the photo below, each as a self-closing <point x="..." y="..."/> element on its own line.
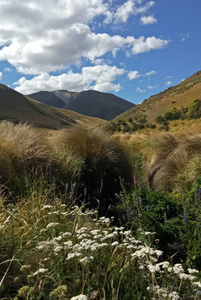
<point x="174" y="164"/>
<point x="105" y="161"/>
<point x="21" y="148"/>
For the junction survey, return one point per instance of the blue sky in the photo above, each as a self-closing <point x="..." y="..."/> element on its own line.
<point x="132" y="48"/>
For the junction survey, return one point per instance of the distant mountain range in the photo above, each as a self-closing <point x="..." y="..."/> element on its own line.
<point x="90" y="103"/>
<point x="16" y="108"/>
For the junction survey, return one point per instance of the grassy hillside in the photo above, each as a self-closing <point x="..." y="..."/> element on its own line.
<point x="17" y="108"/>
<point x="180" y="103"/>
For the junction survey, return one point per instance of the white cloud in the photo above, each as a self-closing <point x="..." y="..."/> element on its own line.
<point x="140" y="90"/>
<point x="136" y="74"/>
<point x="46" y="36"/>
<point x="8" y="70"/>
<point x="150" y="73"/>
<point x="1" y="75"/>
<point x="129" y="8"/>
<point x="148" y="20"/>
<point x="168" y="83"/>
<point x="185" y="36"/>
<point x="142" y="45"/>
<point x="123" y="12"/>
<point x="151" y="87"/>
<point x="133" y="75"/>
<point x="102" y="75"/>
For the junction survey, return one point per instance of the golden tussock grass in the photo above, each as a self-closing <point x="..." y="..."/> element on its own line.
<point x="104" y="159"/>
<point x="174" y="164"/>
<point x="21" y="148"/>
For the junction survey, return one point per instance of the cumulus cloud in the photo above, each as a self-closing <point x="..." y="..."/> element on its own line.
<point x="133" y="75"/>
<point x="148" y="20"/>
<point x="129" y="8"/>
<point x="46" y="36"/>
<point x="1" y="75"/>
<point x="99" y="78"/>
<point x="143" y="44"/>
<point x="138" y="89"/>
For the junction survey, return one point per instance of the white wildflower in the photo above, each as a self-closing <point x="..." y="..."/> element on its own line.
<point x="95" y="231"/>
<point x="58" y="238"/>
<point x="127" y="233"/>
<point x="174" y="296"/>
<point x="115" y="244"/>
<point x="40" y="271"/>
<point x="98" y="236"/>
<point x="81" y="230"/>
<point x="68" y="244"/>
<point x="186" y="276"/>
<point x="178" y="269"/>
<point x="70" y="256"/>
<point x="102" y="245"/>
<point x="79" y="297"/>
<point x="52" y="224"/>
<point x="81" y="236"/>
<point x="158" y="252"/>
<point x="86" y="259"/>
<point x="58" y="249"/>
<point x="47" y="207"/>
<point x="66" y="234"/>
<point x="94" y="247"/>
<point x="192" y="271"/>
<point x="153" y="268"/>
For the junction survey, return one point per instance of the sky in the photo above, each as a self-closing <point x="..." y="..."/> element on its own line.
<point x="132" y="48"/>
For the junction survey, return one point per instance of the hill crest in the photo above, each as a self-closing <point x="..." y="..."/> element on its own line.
<point x="90" y="103"/>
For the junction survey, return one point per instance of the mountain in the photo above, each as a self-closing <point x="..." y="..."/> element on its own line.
<point x="17" y="108"/>
<point x="176" y="106"/>
<point x="90" y="103"/>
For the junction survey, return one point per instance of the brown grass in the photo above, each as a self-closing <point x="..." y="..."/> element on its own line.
<point x="105" y="161"/>
<point x="173" y="164"/>
<point x="21" y="148"/>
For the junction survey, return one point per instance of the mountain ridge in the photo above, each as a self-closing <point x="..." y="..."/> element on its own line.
<point x="17" y="108"/>
<point x="90" y="103"/>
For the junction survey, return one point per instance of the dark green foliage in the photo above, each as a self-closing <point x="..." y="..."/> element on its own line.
<point x="126" y="128"/>
<point x="164" y="127"/>
<point x="194" y="111"/>
<point x="160" y="120"/>
<point x="172" y="115"/>
<point x="151" y="126"/>
<point x="176" y="221"/>
<point x="191" y="112"/>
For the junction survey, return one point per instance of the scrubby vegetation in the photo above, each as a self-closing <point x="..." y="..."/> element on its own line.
<point x="193" y="111"/>
<point x="79" y="218"/>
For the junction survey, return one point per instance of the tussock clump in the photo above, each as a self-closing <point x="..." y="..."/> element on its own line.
<point x="173" y="165"/>
<point x="104" y="160"/>
<point x="21" y="149"/>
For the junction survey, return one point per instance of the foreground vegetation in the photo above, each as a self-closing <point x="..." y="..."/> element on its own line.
<point x="79" y="219"/>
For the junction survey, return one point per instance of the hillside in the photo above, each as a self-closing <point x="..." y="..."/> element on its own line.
<point x="17" y="108"/>
<point x="90" y="103"/>
<point x="178" y="105"/>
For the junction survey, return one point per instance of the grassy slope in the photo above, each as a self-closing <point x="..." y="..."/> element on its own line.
<point x="175" y="97"/>
<point x="18" y="108"/>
